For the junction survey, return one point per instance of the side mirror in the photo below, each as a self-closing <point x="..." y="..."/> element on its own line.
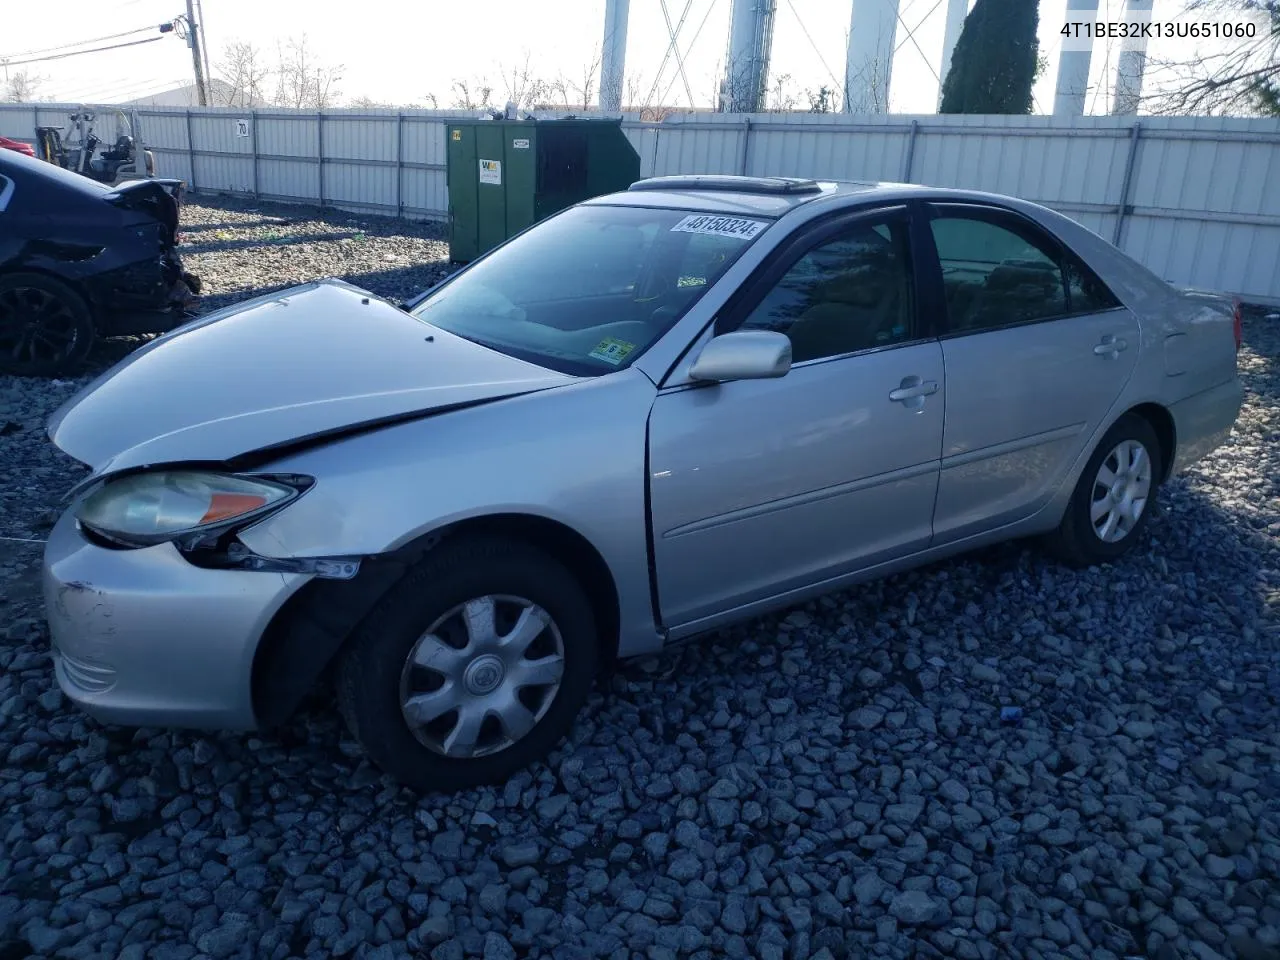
<point x="744" y="355"/>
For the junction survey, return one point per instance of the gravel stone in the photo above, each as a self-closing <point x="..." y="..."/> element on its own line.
<point x="831" y="782"/>
<point x="913" y="907"/>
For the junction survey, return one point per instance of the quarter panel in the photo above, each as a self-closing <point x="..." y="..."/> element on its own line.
<point x="575" y="455"/>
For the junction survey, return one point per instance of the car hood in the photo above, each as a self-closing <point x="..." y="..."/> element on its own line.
<point x="317" y="360"/>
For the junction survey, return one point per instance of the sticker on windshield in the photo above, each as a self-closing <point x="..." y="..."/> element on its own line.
<point x="612" y="351"/>
<point x="719" y="226"/>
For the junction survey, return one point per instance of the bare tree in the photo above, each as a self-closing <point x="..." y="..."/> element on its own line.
<point x="784" y="100"/>
<point x="302" y="81"/>
<point x="368" y="103"/>
<point x="1243" y="77"/>
<point x="244" y="71"/>
<point x="24" y="87"/>
<point x="589" y="72"/>
<point x="633" y="91"/>
<point x="432" y="102"/>
<point x="472" y="94"/>
<point x="523" y="88"/>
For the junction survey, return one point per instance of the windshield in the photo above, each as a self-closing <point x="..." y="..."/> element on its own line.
<point x="588" y="291"/>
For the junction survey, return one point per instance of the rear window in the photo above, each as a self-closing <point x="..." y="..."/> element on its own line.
<point x="588" y="291"/>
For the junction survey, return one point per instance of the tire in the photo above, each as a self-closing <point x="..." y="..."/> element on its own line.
<point x="1078" y="541"/>
<point x="46" y="327"/>
<point x="374" y="675"/>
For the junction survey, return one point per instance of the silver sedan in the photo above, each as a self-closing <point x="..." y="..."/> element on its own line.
<point x="646" y="417"/>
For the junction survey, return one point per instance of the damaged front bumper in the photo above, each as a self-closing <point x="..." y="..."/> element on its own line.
<point x="145" y="638"/>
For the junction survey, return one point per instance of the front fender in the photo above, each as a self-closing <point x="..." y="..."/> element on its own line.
<point x="574" y="455"/>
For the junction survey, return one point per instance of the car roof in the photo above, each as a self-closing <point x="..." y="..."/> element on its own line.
<point x="750" y="196"/>
<point x="775" y="196"/>
<point x="28" y="170"/>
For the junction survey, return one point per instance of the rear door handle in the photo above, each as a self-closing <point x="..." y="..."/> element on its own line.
<point x="1110" y="346"/>
<point x="912" y="388"/>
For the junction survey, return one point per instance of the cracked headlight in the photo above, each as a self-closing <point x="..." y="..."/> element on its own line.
<point x="149" y="508"/>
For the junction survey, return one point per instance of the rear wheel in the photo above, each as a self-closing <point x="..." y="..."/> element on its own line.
<point x="472" y="668"/>
<point x="1114" y="497"/>
<point x="46" y="328"/>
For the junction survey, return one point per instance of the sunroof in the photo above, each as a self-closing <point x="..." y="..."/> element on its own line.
<point x="778" y="186"/>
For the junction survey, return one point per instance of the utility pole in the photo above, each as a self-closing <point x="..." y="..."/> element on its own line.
<point x="193" y="40"/>
<point x="204" y="55"/>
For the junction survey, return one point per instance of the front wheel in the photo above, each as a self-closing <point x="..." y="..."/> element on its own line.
<point x="472" y="668"/>
<point x="1114" y="497"/>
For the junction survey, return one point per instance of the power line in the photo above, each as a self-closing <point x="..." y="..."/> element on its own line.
<point x="696" y="33"/>
<point x="81" y="43"/>
<point x="77" y="53"/>
<point x="816" y="51"/>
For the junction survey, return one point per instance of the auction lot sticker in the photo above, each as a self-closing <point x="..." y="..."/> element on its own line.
<point x="719" y="226"/>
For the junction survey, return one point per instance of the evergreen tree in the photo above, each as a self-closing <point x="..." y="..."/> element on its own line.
<point x="994" y="64"/>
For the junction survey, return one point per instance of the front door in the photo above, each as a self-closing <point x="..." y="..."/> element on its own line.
<point x="764" y="486"/>
<point x="1037" y="352"/>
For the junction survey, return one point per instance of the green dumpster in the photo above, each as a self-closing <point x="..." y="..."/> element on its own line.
<point x="505" y="175"/>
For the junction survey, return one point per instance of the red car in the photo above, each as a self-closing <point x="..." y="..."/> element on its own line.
<point x="7" y="144"/>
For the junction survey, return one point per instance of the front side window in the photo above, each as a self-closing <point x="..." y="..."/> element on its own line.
<point x="994" y="277"/>
<point x="850" y="293"/>
<point x="6" y="192"/>
<point x="588" y="291"/>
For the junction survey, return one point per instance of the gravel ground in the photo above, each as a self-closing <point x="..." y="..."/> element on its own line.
<point x="834" y="782"/>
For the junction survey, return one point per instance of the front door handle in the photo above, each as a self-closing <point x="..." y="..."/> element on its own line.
<point x="1110" y="346"/>
<point x="913" y="388"/>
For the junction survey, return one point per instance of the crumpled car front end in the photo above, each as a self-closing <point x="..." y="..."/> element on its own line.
<point x="155" y="606"/>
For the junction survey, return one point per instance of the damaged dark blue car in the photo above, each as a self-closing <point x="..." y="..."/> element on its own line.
<point x="80" y="260"/>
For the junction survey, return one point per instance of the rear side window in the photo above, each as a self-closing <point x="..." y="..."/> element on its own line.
<point x="6" y="192"/>
<point x="994" y="277"/>
<point x="999" y="271"/>
<point x="1085" y="292"/>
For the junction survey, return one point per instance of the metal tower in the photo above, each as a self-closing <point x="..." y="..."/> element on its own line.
<point x="1132" y="63"/>
<point x="613" y="56"/>
<point x="1073" y="67"/>
<point x="873" y="27"/>
<point x="746" y="72"/>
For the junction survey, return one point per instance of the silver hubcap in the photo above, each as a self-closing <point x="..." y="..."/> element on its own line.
<point x="1120" y="491"/>
<point x="482" y="676"/>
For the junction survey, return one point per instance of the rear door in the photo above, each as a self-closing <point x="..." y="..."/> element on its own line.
<point x="761" y="487"/>
<point x="1037" y="352"/>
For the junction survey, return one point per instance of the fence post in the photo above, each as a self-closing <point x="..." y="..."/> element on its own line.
<point x="253" y="142"/>
<point x="746" y="147"/>
<point x="35" y="122"/>
<point x="320" y="156"/>
<point x="911" y="151"/>
<point x="1126" y="184"/>
<point x="191" y="153"/>
<point x="400" y="165"/>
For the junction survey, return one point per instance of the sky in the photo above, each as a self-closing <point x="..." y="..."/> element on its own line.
<point x="399" y="52"/>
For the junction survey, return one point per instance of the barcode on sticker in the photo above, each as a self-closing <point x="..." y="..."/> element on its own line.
<point x="720" y="226"/>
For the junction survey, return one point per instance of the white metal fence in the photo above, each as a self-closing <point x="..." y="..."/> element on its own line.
<point x="1197" y="199"/>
